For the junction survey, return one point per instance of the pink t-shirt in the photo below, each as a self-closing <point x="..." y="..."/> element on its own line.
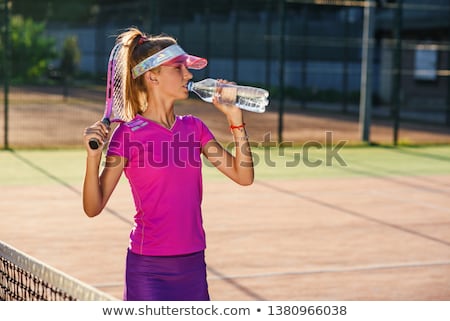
<point x="164" y="172"/>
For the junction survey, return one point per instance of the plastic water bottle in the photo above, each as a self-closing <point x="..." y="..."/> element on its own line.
<point x="245" y="97"/>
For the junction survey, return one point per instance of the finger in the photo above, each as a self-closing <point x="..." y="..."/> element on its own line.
<point x="99" y="138"/>
<point x="105" y="128"/>
<point x="217" y="102"/>
<point x="95" y="132"/>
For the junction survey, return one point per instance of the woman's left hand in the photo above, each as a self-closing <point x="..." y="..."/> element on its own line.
<point x="225" y="100"/>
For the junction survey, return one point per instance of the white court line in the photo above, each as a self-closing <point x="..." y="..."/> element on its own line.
<point x="288" y="273"/>
<point x="338" y="270"/>
<point x="413" y="201"/>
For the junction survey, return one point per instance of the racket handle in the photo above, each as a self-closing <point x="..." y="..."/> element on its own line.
<point x="93" y="142"/>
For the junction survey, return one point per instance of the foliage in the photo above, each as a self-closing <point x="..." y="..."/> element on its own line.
<point x="80" y="11"/>
<point x="70" y="57"/>
<point x="31" y="50"/>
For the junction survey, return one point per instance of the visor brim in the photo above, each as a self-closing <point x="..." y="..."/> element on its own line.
<point x="173" y="53"/>
<point x="190" y="61"/>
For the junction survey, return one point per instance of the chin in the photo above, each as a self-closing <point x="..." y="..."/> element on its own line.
<point x="184" y="96"/>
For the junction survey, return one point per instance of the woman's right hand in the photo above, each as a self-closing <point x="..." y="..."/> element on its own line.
<point x="98" y="131"/>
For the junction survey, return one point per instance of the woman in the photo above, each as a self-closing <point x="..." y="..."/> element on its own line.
<point x="160" y="153"/>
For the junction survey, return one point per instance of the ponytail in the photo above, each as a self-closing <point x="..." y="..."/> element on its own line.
<point x="138" y="46"/>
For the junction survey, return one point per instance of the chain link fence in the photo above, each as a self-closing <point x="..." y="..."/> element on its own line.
<point x="307" y="53"/>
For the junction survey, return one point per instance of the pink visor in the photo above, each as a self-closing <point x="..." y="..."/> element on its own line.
<point x="169" y="55"/>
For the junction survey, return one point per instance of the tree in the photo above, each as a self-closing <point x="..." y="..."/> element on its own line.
<point x="31" y="50"/>
<point x="80" y="11"/>
<point x="69" y="62"/>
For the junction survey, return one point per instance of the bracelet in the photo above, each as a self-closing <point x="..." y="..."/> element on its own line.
<point x="238" y="126"/>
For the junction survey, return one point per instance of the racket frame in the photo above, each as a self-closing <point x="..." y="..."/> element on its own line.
<point x="112" y="61"/>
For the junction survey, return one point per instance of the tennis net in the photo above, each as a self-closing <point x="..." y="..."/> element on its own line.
<point x="24" y="278"/>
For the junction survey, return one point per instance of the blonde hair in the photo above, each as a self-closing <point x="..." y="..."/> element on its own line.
<point x="138" y="46"/>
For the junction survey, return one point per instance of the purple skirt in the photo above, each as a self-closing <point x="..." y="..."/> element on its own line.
<point x="166" y="278"/>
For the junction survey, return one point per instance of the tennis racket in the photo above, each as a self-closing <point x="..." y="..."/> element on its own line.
<point x="115" y="90"/>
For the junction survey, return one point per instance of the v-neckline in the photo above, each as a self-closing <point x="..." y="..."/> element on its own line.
<point x="159" y="125"/>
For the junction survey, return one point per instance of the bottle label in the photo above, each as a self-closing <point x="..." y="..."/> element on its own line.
<point x="228" y="95"/>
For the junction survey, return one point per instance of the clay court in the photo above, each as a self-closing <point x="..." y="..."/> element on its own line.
<point x="375" y="229"/>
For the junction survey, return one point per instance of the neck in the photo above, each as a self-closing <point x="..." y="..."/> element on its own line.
<point x="159" y="113"/>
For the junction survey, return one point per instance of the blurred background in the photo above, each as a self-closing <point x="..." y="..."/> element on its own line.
<point x="386" y="59"/>
<point x="357" y="72"/>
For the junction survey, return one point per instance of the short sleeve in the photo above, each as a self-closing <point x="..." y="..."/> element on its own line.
<point x="205" y="133"/>
<point x="117" y="144"/>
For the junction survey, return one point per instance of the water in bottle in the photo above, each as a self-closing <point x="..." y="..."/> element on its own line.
<point x="245" y="97"/>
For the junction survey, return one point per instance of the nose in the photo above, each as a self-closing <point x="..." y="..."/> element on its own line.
<point x="186" y="73"/>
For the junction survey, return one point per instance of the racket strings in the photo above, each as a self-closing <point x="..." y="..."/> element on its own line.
<point x="118" y="83"/>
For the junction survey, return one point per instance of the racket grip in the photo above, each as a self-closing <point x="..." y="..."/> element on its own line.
<point x="94" y="143"/>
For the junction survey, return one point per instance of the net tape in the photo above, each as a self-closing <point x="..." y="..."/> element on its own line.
<point x="24" y="278"/>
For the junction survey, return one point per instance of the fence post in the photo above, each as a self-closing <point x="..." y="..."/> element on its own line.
<point x="345" y="62"/>
<point x="397" y="68"/>
<point x="182" y="17"/>
<point x="304" y="57"/>
<point x="447" y="116"/>
<point x="282" y="16"/>
<point x="6" y="75"/>
<point x="207" y="13"/>
<point x="235" y="8"/>
<point x="365" y="103"/>
<point x="268" y="42"/>
<point x="155" y="16"/>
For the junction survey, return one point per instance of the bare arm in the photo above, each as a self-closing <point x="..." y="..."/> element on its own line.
<point x="238" y="167"/>
<point x="97" y="188"/>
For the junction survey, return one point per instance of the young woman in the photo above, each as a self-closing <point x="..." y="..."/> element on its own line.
<point x="160" y="154"/>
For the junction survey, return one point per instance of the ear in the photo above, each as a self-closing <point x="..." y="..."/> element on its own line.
<point x="151" y="77"/>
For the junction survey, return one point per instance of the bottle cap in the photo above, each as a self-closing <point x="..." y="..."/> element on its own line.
<point x="171" y="54"/>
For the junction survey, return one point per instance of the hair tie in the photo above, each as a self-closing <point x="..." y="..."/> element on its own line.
<point x="142" y="40"/>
